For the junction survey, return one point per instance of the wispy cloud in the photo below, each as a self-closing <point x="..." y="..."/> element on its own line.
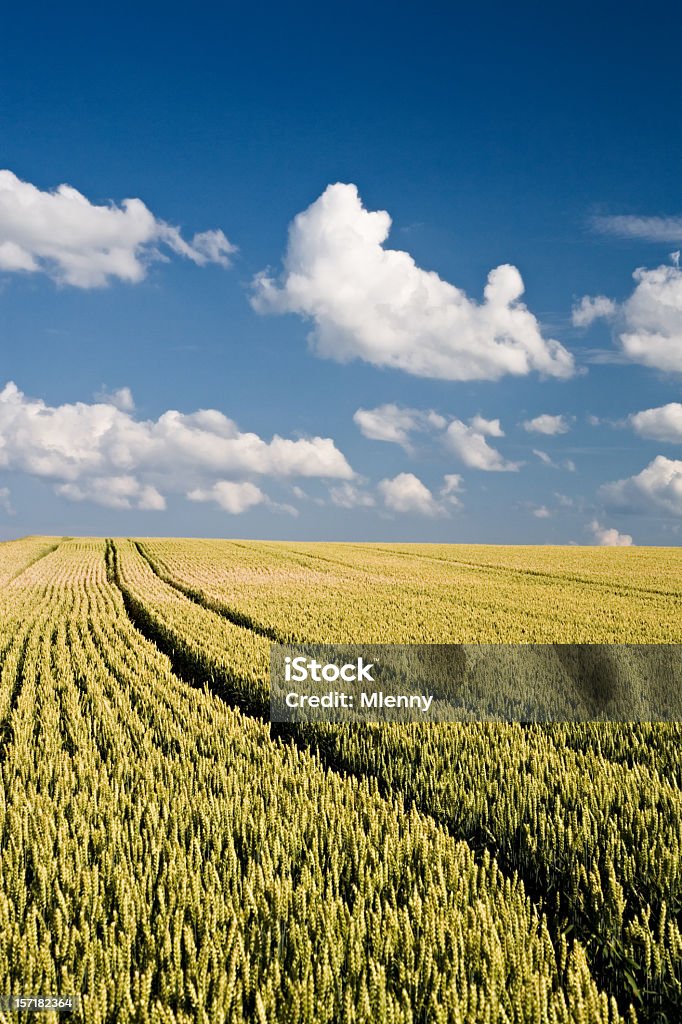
<point x="547" y="424"/>
<point x="348" y="495"/>
<point x="6" y="501"/>
<point x="648" y="229"/>
<point x="121" y="398"/>
<point x="547" y="459"/>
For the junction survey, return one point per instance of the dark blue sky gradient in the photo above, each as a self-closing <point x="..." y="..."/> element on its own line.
<point x="491" y="133"/>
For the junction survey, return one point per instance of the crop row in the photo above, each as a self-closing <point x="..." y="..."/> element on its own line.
<point x="594" y="831"/>
<point x="164" y="857"/>
<point x="341" y="593"/>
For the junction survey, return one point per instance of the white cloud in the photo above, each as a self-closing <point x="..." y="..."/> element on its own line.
<point x="541" y="512"/>
<point x="122" y="398"/>
<point x="406" y="493"/>
<point x="661" y="424"/>
<point x="394" y="423"/>
<point x="567" y="464"/>
<point x="657" y="487"/>
<point x="452" y="484"/>
<point x="491" y="428"/>
<point x="591" y="308"/>
<point x="232" y="497"/>
<point x="114" y="492"/>
<point x="653" y="319"/>
<point x="649" y="229"/>
<point x="76" y="242"/>
<point x="470" y="445"/>
<point x="544" y="457"/>
<point x="650" y="320"/>
<point x="609" y="537"/>
<point x="372" y="303"/>
<point x="6" y="501"/>
<point x="347" y="495"/>
<point x="99" y="452"/>
<point x="547" y="424"/>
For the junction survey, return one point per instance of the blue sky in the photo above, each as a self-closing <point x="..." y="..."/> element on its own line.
<point x="531" y="138"/>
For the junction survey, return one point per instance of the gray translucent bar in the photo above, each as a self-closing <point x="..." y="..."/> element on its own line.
<point x="475" y="682"/>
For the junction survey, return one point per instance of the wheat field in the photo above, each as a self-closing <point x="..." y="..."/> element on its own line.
<point x="170" y="856"/>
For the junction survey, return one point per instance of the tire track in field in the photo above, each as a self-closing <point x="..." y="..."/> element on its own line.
<point x="489" y="568"/>
<point x="479" y="839"/>
<point x="10" y="698"/>
<point x="14" y="653"/>
<point x="43" y="554"/>
<point x="189" y="667"/>
<point x="237" y="618"/>
<point x="243" y="621"/>
<point x="510" y="570"/>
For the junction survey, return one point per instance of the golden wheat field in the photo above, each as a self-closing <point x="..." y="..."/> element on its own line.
<point x="168" y="855"/>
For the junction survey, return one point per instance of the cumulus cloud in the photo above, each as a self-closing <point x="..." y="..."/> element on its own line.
<point x="649" y="229"/>
<point x="661" y="424"/>
<point x="393" y="423"/>
<point x="591" y="308"/>
<point x="406" y="493"/>
<point x="547" y="424"/>
<point x="491" y="428"/>
<point x="123" y="491"/>
<point x="347" y="495"/>
<point x="232" y="497"/>
<point x="100" y="452"/>
<point x="652" y="315"/>
<point x="76" y="242"/>
<point x="650" y="320"/>
<point x="373" y="303"/>
<point x="122" y="398"/>
<point x="609" y="537"/>
<point x="657" y="487"/>
<point x="469" y="444"/>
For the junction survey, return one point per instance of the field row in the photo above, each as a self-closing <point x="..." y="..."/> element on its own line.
<point x="163" y="856"/>
<point x="334" y="593"/>
<point x="590" y="817"/>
